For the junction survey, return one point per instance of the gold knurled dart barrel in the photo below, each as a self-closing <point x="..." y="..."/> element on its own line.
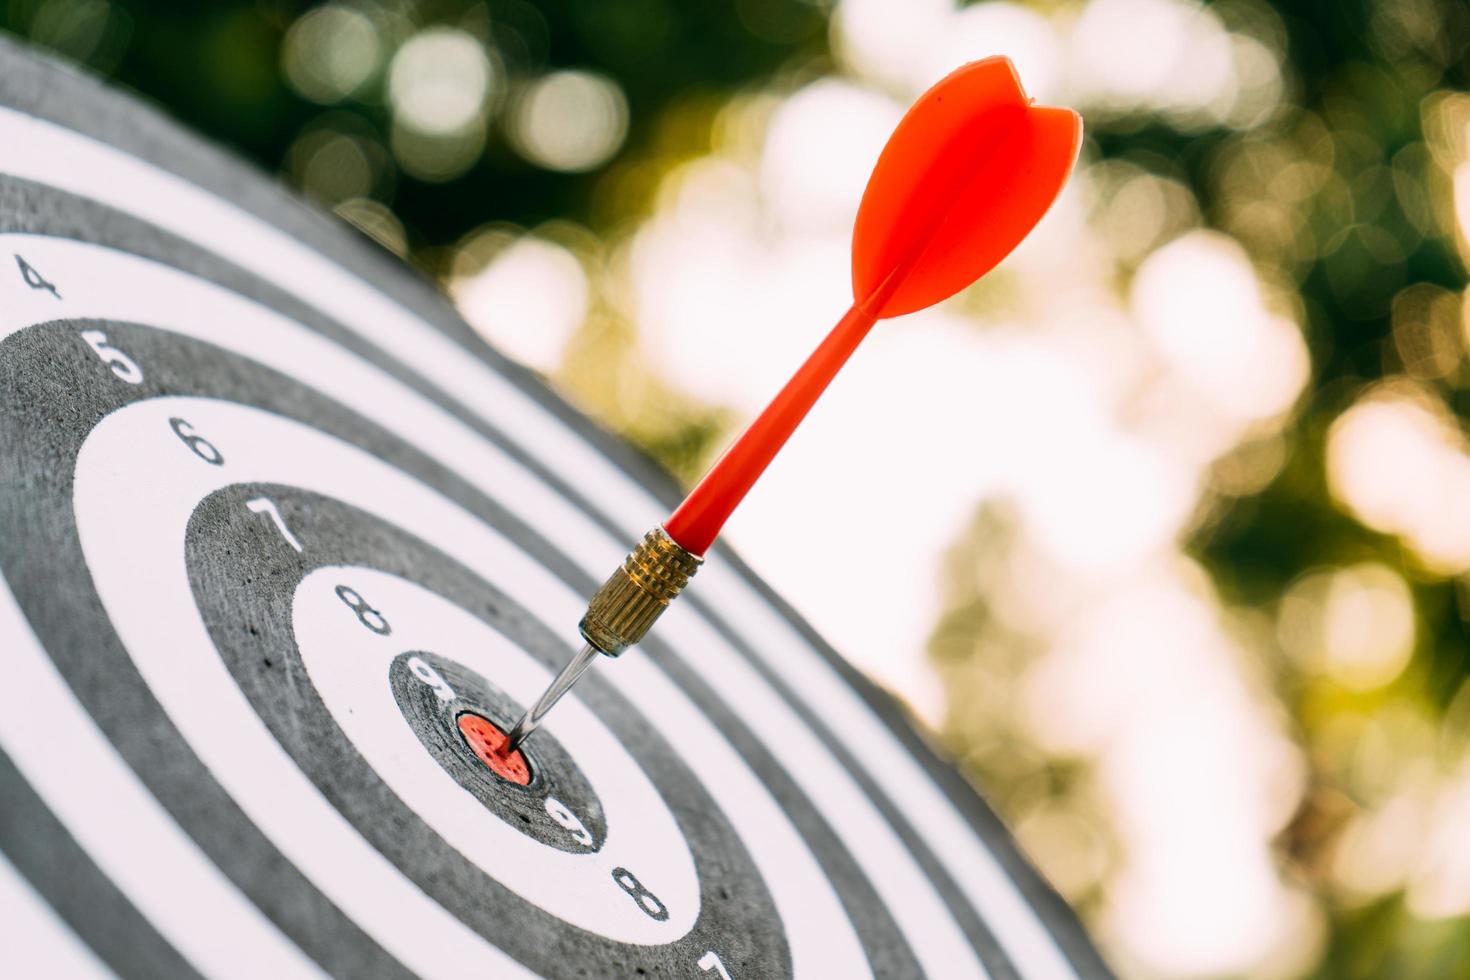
<point x="637" y="593"/>
<point x="619" y="615"/>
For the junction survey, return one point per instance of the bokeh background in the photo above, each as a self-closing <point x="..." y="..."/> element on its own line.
<point x="1175" y="504"/>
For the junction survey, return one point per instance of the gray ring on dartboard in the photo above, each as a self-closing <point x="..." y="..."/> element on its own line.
<point x="99" y="913"/>
<point x="82" y="219"/>
<point x="554" y="773"/>
<point x="881" y="939"/>
<point x="885" y="946"/>
<point x="245" y="584"/>
<point x="52" y="398"/>
<point x="79" y="102"/>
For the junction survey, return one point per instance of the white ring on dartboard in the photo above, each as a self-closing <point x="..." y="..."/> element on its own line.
<point x="75" y="890"/>
<point x="123" y="509"/>
<point x="252" y="630"/>
<point x="51" y="401"/>
<point x="135" y="842"/>
<point x="148" y="292"/>
<point x="348" y="665"/>
<point x="52" y="155"/>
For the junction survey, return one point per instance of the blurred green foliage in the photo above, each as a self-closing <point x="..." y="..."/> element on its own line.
<point x="1367" y="82"/>
<point x="216" y="67"/>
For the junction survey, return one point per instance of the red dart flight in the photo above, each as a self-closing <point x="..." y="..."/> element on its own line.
<point x="969" y="171"/>
<point x="967" y="174"/>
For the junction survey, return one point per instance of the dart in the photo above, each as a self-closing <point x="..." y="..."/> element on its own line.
<point x="968" y="172"/>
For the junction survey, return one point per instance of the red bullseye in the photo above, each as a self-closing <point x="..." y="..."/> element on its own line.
<point x="489" y="743"/>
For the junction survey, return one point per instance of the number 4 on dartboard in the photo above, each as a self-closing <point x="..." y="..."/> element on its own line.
<point x="33" y="278"/>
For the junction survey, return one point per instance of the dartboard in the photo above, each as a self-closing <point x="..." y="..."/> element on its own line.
<point x="280" y="539"/>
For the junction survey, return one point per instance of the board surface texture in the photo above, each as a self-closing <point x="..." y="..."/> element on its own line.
<point x="273" y="521"/>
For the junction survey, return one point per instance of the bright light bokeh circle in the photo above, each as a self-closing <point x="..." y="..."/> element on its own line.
<point x="570" y="120"/>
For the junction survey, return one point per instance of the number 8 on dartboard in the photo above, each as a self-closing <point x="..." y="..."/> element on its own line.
<point x="285" y="550"/>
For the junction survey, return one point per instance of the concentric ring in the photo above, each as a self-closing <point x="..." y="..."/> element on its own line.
<point x="925" y="878"/>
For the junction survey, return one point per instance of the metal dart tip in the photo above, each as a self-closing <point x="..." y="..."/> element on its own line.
<point x="618" y="616"/>
<point x="560" y="685"/>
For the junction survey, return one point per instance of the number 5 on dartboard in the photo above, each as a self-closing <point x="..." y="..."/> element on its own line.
<point x="122" y="365"/>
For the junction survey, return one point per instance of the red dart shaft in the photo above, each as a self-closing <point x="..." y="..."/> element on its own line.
<point x="970" y="169"/>
<point x="697" y="521"/>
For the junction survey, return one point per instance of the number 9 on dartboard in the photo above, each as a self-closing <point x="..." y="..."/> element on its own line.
<point x="284" y="551"/>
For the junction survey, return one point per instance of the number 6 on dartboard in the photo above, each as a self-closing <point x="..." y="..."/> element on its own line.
<point x="199" y="445"/>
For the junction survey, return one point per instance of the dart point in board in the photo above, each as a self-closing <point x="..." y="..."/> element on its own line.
<point x="489" y="744"/>
<point x="968" y="172"/>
